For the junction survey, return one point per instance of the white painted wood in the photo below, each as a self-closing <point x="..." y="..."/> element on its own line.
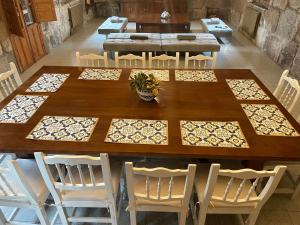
<point x="200" y="61"/>
<point x="163" y="61"/>
<point x="92" y="60"/>
<point x="9" y="81"/>
<point x="25" y="197"/>
<point x="80" y="177"/>
<point x="159" y="202"/>
<point x="212" y="202"/>
<point x="130" y="60"/>
<point x="293" y="174"/>
<point x="287" y="91"/>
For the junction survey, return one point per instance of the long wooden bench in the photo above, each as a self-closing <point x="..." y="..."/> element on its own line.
<point x="123" y="42"/>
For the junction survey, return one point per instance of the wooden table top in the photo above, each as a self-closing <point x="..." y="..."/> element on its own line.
<point x="202" y="101"/>
<point x="155" y="19"/>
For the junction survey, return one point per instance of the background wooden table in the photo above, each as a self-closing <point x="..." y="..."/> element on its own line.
<point x="152" y="23"/>
<point x="177" y="101"/>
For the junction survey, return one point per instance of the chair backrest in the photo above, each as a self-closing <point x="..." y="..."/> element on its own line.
<point x="200" y="61"/>
<point x="14" y="188"/>
<point x="287" y="91"/>
<point x="163" y="61"/>
<point x="92" y="59"/>
<point x="158" y="174"/>
<point x="242" y="177"/>
<point x="9" y="81"/>
<point x="130" y="60"/>
<point x="75" y="172"/>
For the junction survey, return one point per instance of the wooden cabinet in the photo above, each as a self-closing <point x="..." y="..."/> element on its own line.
<point x="43" y="10"/>
<point x="133" y="8"/>
<point x="13" y="16"/>
<point x="23" y="20"/>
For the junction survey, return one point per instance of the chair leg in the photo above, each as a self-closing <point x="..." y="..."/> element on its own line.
<point x="252" y="218"/>
<point x="297" y="190"/>
<point x="113" y="214"/>
<point x="62" y="215"/>
<point x="201" y="216"/>
<point x="2" y="218"/>
<point x="42" y="215"/>
<point x="182" y="217"/>
<point x="133" y="217"/>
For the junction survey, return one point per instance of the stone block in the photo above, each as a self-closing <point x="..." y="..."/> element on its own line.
<point x="295" y="69"/>
<point x="287" y="55"/>
<point x="196" y="4"/>
<point x="6" y="45"/>
<point x="273" y="46"/>
<point x="281" y="4"/>
<point x="295" y="4"/>
<point x="297" y="37"/>
<point x="196" y="14"/>
<point x="286" y="26"/>
<point x="271" y="17"/>
<point x="235" y="18"/>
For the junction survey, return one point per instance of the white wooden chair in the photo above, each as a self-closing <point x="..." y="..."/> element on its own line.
<point x="88" y="183"/>
<point x="287" y="91"/>
<point x="92" y="60"/>
<point x="232" y="192"/>
<point x="9" y="81"/>
<point x="292" y="173"/>
<point x="130" y="60"/>
<point x="200" y="61"/>
<point x="22" y="186"/>
<point x="159" y="189"/>
<point x="163" y="61"/>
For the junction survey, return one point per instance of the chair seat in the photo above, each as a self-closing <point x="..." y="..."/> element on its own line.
<point x="201" y="181"/>
<point x="92" y="195"/>
<point x="33" y="177"/>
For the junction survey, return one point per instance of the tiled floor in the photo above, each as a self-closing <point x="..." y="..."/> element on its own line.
<point x="236" y="52"/>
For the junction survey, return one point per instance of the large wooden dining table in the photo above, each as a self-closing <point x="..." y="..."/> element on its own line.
<point x="106" y="100"/>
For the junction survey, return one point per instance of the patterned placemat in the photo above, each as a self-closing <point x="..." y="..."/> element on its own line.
<point x="62" y="128"/>
<point x="161" y="75"/>
<point x="212" y="134"/>
<point x="267" y="119"/>
<point x="195" y="75"/>
<point x="48" y="82"/>
<point x="134" y="131"/>
<point x="246" y="89"/>
<point x="21" y="108"/>
<point x="100" y="74"/>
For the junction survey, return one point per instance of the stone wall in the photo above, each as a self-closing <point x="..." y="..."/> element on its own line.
<point x="278" y="32"/>
<point x="57" y="31"/>
<point x="197" y="9"/>
<point x="6" y="52"/>
<point x="108" y="8"/>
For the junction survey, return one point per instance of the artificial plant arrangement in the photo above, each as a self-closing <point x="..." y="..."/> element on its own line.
<point x="147" y="86"/>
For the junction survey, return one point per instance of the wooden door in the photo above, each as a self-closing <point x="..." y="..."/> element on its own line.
<point x="43" y="10"/>
<point x="36" y="41"/>
<point x="14" y="17"/>
<point x="22" y="51"/>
